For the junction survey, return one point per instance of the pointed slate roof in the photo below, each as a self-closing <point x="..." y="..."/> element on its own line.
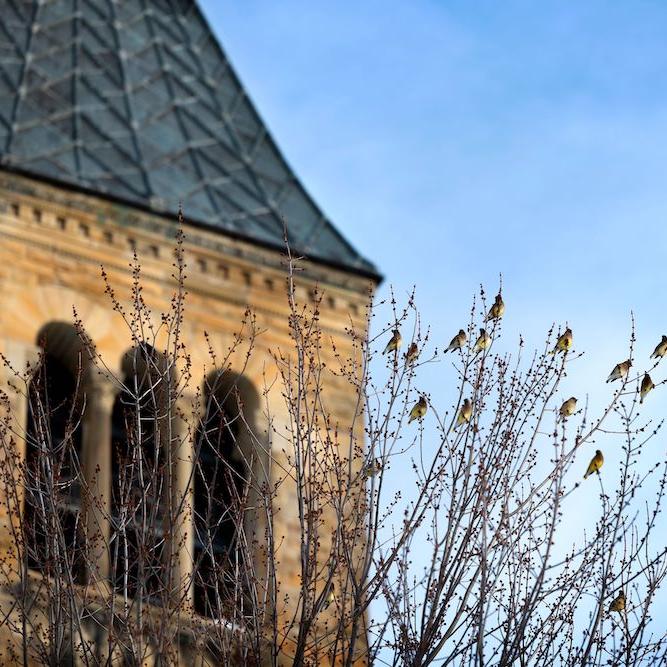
<point x="136" y="100"/>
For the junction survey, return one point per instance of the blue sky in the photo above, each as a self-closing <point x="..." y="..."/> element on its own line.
<point x="454" y="141"/>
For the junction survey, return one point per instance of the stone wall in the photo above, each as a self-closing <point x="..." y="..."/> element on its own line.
<point x="52" y="244"/>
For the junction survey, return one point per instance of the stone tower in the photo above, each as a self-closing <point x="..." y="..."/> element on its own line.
<point x="113" y="114"/>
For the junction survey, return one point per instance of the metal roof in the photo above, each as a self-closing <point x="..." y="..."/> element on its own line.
<point x="136" y="100"/>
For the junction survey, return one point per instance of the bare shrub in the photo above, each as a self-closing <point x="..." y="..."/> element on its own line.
<point x="230" y="532"/>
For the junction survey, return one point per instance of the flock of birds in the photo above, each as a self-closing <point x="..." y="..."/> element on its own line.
<point x="567" y="409"/>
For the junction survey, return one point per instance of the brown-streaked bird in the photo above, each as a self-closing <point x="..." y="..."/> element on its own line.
<point x="564" y="342"/>
<point x="618" y="603"/>
<point x="497" y="309"/>
<point x="660" y="349"/>
<point x="371" y="469"/>
<point x="418" y="409"/>
<point x="595" y="464"/>
<point x="465" y="413"/>
<point x="394" y="342"/>
<point x="568" y="407"/>
<point x="412" y="354"/>
<point x="646" y="386"/>
<point x="458" y="341"/>
<point x="483" y="342"/>
<point x="620" y="371"/>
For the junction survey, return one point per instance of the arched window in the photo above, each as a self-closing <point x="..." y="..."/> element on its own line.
<point x="222" y="472"/>
<point x="139" y="476"/>
<point x="54" y="532"/>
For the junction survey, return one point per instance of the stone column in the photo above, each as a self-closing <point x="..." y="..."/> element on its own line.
<point x="100" y="393"/>
<point x="183" y="431"/>
<point x="14" y="381"/>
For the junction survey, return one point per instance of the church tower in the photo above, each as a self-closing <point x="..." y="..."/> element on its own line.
<point x="114" y="116"/>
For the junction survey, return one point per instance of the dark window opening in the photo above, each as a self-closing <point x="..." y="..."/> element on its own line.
<point x="54" y="534"/>
<point x="219" y="489"/>
<point x="138" y="486"/>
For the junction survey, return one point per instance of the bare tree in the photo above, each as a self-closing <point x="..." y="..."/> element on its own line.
<point x="471" y="561"/>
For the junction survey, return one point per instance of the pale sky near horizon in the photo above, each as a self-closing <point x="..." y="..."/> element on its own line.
<point x="451" y="142"/>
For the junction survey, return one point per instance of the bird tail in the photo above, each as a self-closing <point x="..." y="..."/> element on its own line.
<point x="586" y="475"/>
<point x="641" y="400"/>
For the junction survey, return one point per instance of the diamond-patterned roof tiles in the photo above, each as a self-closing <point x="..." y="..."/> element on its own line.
<point x="135" y="99"/>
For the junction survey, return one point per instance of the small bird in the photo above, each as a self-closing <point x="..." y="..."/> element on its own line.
<point x="394" y="342"/>
<point x="458" y="341"/>
<point x="568" y="407"/>
<point x="595" y="464"/>
<point x="331" y="598"/>
<point x="618" y="603"/>
<point x="412" y="354"/>
<point x="564" y="342"/>
<point x="620" y="371"/>
<point x="371" y="469"/>
<point x="465" y="413"/>
<point x="647" y="385"/>
<point x="660" y="349"/>
<point x="483" y="341"/>
<point x="418" y="409"/>
<point x="497" y="309"/>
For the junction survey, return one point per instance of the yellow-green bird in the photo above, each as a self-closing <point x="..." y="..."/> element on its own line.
<point x="497" y="309"/>
<point x="394" y="342"/>
<point x="418" y="409"/>
<point x="331" y="598"/>
<point x="371" y="469"/>
<point x="465" y="413"/>
<point x="620" y="371"/>
<point x="564" y="342"/>
<point x="458" y="341"/>
<point x="568" y="407"/>
<point x="483" y="341"/>
<point x="660" y="349"/>
<point x="647" y="385"/>
<point x="412" y="354"/>
<point x="595" y="464"/>
<point x="618" y="603"/>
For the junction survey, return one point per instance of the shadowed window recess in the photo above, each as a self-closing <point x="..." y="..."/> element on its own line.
<point x="54" y="535"/>
<point x="139" y="475"/>
<point x="224" y="461"/>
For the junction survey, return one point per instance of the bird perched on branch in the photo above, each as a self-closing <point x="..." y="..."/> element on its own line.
<point x="483" y="341"/>
<point x="331" y="598"/>
<point x="660" y="349"/>
<point x="412" y="354"/>
<point x="497" y="309"/>
<point x="394" y="342"/>
<point x="646" y="386"/>
<point x="620" y="371"/>
<point x="564" y="342"/>
<point x="595" y="464"/>
<point x="618" y="603"/>
<point x="568" y="407"/>
<point x="372" y="468"/>
<point x="465" y="413"/>
<point x="458" y="341"/>
<point x="418" y="409"/>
